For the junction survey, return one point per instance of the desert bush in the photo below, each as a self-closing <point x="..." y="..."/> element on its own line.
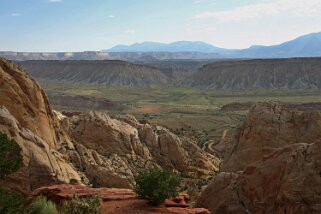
<point x="10" y="158"/>
<point x="76" y="205"/>
<point x="43" y="206"/>
<point x="157" y="185"/>
<point x="12" y="202"/>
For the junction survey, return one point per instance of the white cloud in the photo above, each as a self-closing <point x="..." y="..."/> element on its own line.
<point x="15" y="14"/>
<point x="264" y="9"/>
<point x="130" y="31"/>
<point x="111" y="16"/>
<point x="54" y="1"/>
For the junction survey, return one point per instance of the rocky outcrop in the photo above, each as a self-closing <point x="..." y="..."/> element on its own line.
<point x="26" y="117"/>
<point x="42" y="165"/>
<point x="123" y="146"/>
<point x="118" y="201"/>
<point x="269" y="126"/>
<point x="273" y="167"/>
<point x="27" y="102"/>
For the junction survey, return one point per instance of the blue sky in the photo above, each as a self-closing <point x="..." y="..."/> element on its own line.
<point x="79" y="25"/>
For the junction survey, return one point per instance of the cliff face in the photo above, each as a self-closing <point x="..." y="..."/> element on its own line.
<point x="107" y="72"/>
<point x="27" y="102"/>
<point x="272" y="166"/>
<point x="26" y="116"/>
<point x="267" y="73"/>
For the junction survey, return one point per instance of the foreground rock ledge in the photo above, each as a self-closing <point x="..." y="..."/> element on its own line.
<point x="116" y="200"/>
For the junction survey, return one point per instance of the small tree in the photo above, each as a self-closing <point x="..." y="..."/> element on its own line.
<point x="10" y="158"/>
<point x="157" y="185"/>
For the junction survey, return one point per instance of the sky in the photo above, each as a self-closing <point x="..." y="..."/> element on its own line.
<point x="88" y="25"/>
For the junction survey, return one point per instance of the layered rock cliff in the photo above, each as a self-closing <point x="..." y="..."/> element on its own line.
<point x="259" y="73"/>
<point x="105" y="72"/>
<point x="272" y="166"/>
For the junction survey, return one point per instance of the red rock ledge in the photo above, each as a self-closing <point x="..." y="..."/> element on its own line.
<point x="120" y="201"/>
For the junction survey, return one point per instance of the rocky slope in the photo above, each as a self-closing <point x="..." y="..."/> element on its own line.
<point x="267" y="73"/>
<point x="106" y="72"/>
<point x="272" y="166"/>
<point x="121" y="147"/>
<point x="25" y="116"/>
<point x="27" y="102"/>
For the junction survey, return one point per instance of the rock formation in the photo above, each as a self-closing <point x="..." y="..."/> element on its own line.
<point x="27" y="102"/>
<point x="273" y="166"/>
<point x="42" y="165"/>
<point x="25" y="116"/>
<point x="123" y="147"/>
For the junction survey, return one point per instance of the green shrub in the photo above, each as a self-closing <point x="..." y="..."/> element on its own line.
<point x="10" y="158"/>
<point x="157" y="185"/>
<point x="11" y="202"/>
<point x="43" y="206"/>
<point x="76" y="205"/>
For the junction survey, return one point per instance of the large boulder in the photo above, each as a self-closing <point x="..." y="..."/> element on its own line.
<point x="274" y="166"/>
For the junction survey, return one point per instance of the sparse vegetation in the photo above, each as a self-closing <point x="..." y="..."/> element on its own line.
<point x="12" y="202"/>
<point x="157" y="185"/>
<point x="43" y="206"/>
<point x="76" y="205"/>
<point x="10" y="158"/>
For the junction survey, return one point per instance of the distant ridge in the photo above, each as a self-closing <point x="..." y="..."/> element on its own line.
<point x="304" y="46"/>
<point x="308" y="45"/>
<point x="106" y="72"/>
<point x="287" y="73"/>
<point x="180" y="46"/>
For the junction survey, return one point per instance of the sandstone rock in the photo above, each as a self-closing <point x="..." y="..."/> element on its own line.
<point x="274" y="166"/>
<point x="124" y="146"/>
<point x="42" y="165"/>
<point x="111" y="171"/>
<point x="269" y="126"/>
<point x="27" y="102"/>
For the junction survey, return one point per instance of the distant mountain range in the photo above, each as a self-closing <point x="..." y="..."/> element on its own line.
<point x="305" y="46"/>
<point x="181" y="46"/>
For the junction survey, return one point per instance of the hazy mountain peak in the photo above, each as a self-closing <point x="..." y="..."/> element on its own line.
<point x="179" y="46"/>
